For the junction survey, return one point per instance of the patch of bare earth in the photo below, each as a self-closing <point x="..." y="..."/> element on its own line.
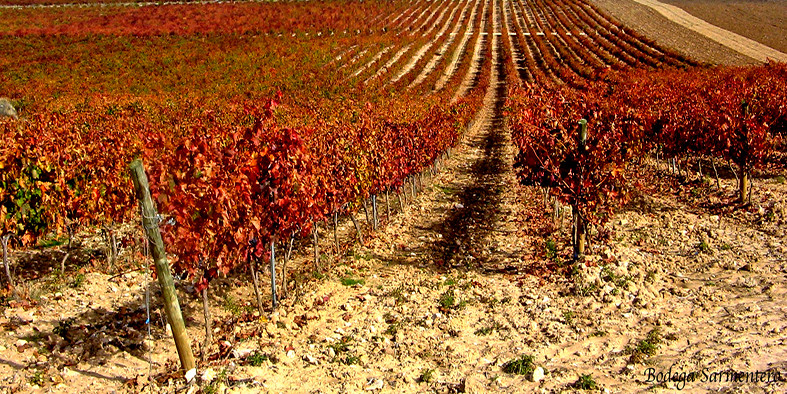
<point x="764" y="21"/>
<point x="669" y="34"/>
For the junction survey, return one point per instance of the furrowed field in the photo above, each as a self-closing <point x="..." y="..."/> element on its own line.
<point x="397" y="196"/>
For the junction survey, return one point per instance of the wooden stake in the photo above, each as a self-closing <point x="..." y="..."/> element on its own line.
<point x="744" y="186"/>
<point x="150" y="221"/>
<point x="357" y="228"/>
<point x="284" y="291"/>
<point x="737" y="180"/>
<point x="273" y="274"/>
<point x="208" y="322"/>
<point x="255" y="280"/>
<point x="579" y="224"/>
<point x="366" y="212"/>
<point x="316" y="247"/>
<point x="375" y="218"/>
<point x="6" y="264"/>
<point x="387" y="206"/>
<point x="335" y="232"/>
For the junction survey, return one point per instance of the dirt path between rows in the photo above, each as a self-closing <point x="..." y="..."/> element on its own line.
<point x="727" y="38"/>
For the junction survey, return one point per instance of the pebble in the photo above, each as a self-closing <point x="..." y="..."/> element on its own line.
<point x="374" y="384"/>
<point x="208" y="375"/>
<point x="538" y="375"/>
<point x="309" y="359"/>
<point x="242" y="353"/>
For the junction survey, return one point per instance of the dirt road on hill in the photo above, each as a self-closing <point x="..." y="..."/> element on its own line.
<point x="672" y="35"/>
<point x="736" y="42"/>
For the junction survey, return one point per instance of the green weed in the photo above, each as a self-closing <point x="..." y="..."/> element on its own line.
<point x="38" y="378"/>
<point x="488" y="329"/>
<point x="646" y="347"/>
<point x="256" y="359"/>
<point x="568" y="316"/>
<point x="586" y="382"/>
<point x="398" y="294"/>
<point x="704" y="247"/>
<point x="427" y="375"/>
<point x="551" y="249"/>
<point x="78" y="281"/>
<point x="520" y="366"/>
<point x="352" y="281"/>
<point x="447" y="299"/>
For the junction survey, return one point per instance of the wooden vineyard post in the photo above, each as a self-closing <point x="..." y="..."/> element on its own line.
<point x="744" y="185"/>
<point x="335" y="232"/>
<point x="171" y="305"/>
<point x="8" y="276"/>
<point x="387" y="206"/>
<point x="579" y="224"/>
<point x="273" y="273"/>
<point x="316" y="247"/>
<point x="374" y="212"/>
<point x="255" y="279"/>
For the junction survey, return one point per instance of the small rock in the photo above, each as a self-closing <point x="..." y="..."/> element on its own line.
<point x="242" y="352"/>
<point x="291" y="354"/>
<point x="208" y="376"/>
<point x="374" y="384"/>
<point x="538" y="375"/>
<point x="7" y="110"/>
<point x="69" y="373"/>
<point x="458" y="206"/>
<point x="24" y="317"/>
<point x="309" y="359"/>
<point x="191" y="374"/>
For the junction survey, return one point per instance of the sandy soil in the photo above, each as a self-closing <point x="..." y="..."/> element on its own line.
<point x="473" y="274"/>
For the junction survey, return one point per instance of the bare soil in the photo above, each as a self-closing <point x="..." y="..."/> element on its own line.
<point x="671" y="35"/>
<point x="475" y="272"/>
<point x="764" y="21"/>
